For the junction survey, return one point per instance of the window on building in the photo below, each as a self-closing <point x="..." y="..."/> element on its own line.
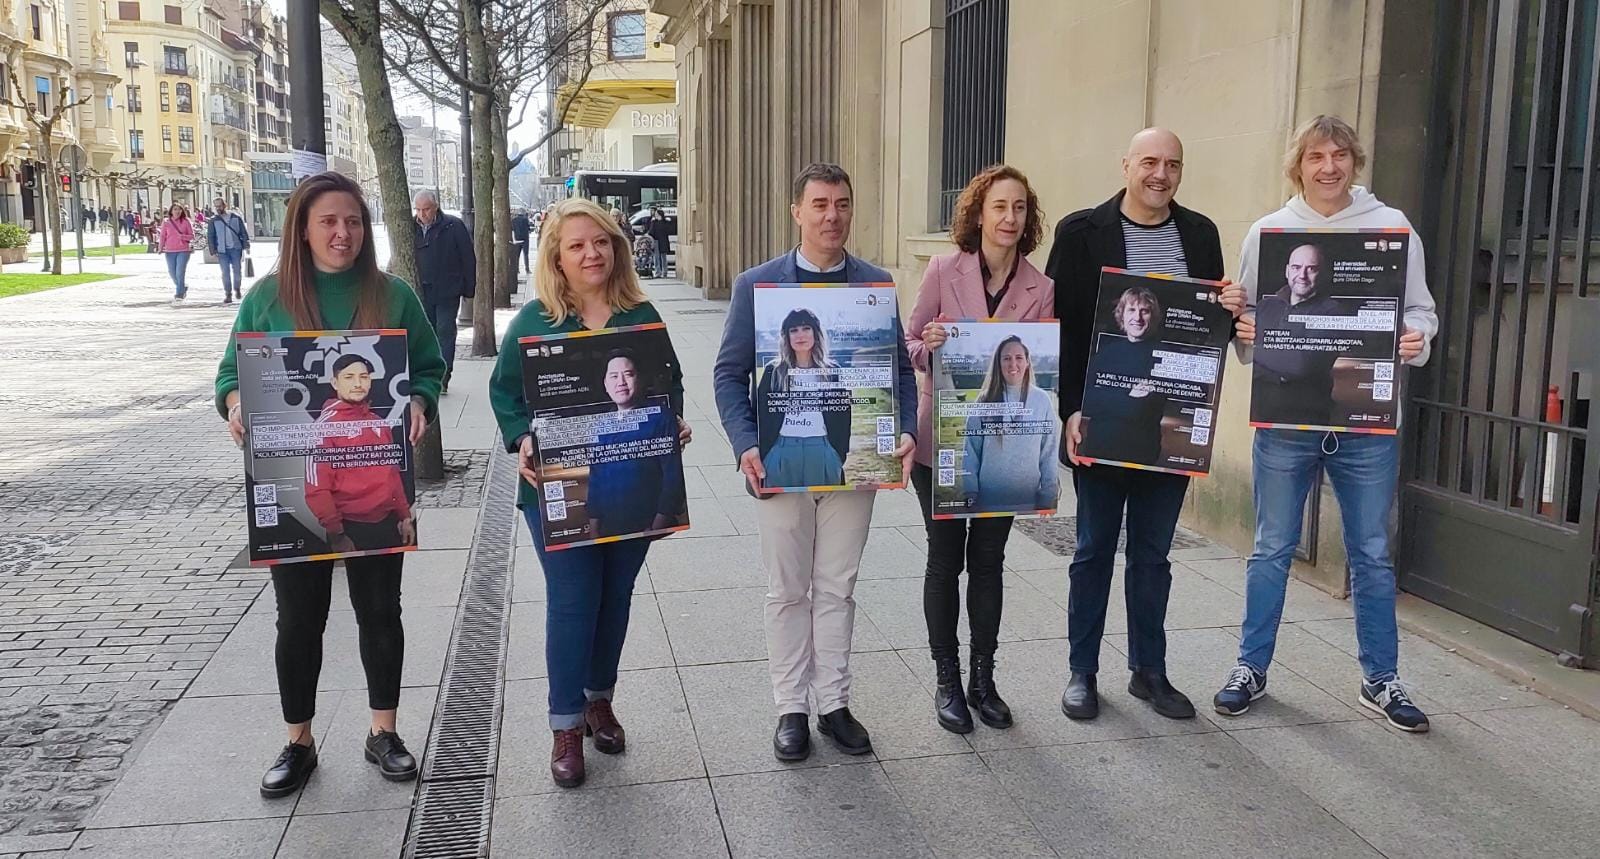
<point x="128" y="11"/>
<point x="175" y="61"/>
<point x="185" y="98"/>
<point x="166" y="138"/>
<point x="625" y="36"/>
<point x="186" y="140"/>
<point x="135" y="102"/>
<point x="35" y="20"/>
<point x="174" y="14"/>
<point x="130" y="54"/>
<point x="166" y="96"/>
<point x="41" y="94"/>
<point x="136" y="143"/>
<point x="974" y="73"/>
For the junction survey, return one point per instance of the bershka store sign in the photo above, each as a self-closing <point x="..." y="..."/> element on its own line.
<point x="647" y="120"/>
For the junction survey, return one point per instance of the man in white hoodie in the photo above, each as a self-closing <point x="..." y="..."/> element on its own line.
<point x="1322" y="163"/>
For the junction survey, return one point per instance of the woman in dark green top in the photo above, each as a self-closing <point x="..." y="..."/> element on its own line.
<point x="327" y="278"/>
<point x="585" y="280"/>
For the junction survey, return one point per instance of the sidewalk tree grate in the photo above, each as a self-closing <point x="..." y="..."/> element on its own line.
<point x="455" y="801"/>
<point x="1059" y="534"/>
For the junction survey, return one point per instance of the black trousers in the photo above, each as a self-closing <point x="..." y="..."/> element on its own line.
<point x="304" y="591"/>
<point x="980" y="544"/>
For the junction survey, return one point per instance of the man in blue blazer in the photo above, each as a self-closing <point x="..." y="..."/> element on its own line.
<point x="811" y="542"/>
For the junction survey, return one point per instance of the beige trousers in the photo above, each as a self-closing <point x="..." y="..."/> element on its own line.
<point x="811" y="543"/>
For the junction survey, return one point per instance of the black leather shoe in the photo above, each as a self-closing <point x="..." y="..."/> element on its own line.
<point x="949" y="703"/>
<point x="1080" y="701"/>
<point x="982" y="695"/>
<point x="290" y="771"/>
<point x="1152" y="686"/>
<point x="388" y="751"/>
<point x="845" y="731"/>
<point x="792" y="742"/>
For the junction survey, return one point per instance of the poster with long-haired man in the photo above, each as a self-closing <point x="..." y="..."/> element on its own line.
<point x="1155" y="373"/>
<point x="996" y="434"/>
<point x="605" y="433"/>
<point x="327" y="464"/>
<point x="825" y="386"/>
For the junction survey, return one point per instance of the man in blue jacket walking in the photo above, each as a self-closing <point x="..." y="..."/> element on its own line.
<point x="228" y="238"/>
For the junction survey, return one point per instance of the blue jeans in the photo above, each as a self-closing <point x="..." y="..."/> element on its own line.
<point x="441" y="313"/>
<point x="660" y="260"/>
<point x="231" y="263"/>
<point x="588" y="592"/>
<point x="1153" y="501"/>
<point x="1363" y="469"/>
<point x="177" y="265"/>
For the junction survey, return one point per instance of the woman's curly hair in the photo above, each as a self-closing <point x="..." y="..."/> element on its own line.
<point x="965" y="229"/>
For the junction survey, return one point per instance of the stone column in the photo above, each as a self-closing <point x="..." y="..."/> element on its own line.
<point x="753" y="211"/>
<point x="719" y="183"/>
<point x="806" y="97"/>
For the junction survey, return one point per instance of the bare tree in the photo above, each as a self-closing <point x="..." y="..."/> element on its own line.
<point x="43" y="119"/>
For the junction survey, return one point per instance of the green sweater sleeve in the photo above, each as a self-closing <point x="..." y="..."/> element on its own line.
<point x="249" y="318"/>
<point x="505" y="383"/>
<point x="422" y="345"/>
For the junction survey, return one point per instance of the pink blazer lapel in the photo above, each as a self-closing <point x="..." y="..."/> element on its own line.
<point x="967" y="284"/>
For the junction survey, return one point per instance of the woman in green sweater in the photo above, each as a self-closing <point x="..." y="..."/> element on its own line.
<point x="585" y="281"/>
<point x="327" y="278"/>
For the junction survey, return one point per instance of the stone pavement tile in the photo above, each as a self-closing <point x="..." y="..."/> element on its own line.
<point x="646" y="645"/>
<point x="649" y="704"/>
<point x="670" y="820"/>
<point x="896" y="508"/>
<point x="695" y="485"/>
<point x="1198" y="661"/>
<point x="702" y="563"/>
<point x="429" y="580"/>
<point x="897" y="710"/>
<point x="227" y="839"/>
<point x="1033" y="673"/>
<point x="895" y="609"/>
<point x="1023" y="553"/>
<point x="1178" y="796"/>
<point x="1301" y="601"/>
<point x="706" y="450"/>
<point x="205" y="763"/>
<point x="1054" y="585"/>
<point x="1440" y="681"/>
<point x="1194" y="602"/>
<point x="836" y="811"/>
<point x="961" y="809"/>
<point x="1459" y="791"/>
<point x="38" y="845"/>
<point x="1228" y="572"/>
<point x="447" y="528"/>
<point x="1562" y="742"/>
<point x="1027" y="613"/>
<point x="731" y="706"/>
<point x="889" y="555"/>
<point x="740" y="510"/>
<point x="706" y="519"/>
<point x="1211" y="551"/>
<point x="1321" y="664"/>
<point x="243" y="665"/>
<point x="716" y="626"/>
<point x="349" y="834"/>
<point x="724" y="479"/>
<point x="345" y="781"/>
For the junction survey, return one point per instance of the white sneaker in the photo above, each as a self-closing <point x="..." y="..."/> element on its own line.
<point x="177" y="302"/>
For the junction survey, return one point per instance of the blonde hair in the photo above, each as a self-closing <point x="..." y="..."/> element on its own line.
<point x="555" y="293"/>
<point x="1316" y="130"/>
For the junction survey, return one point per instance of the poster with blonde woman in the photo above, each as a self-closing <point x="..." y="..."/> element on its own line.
<point x="825" y="386"/>
<point x="1150" y="395"/>
<point x="996" y="431"/>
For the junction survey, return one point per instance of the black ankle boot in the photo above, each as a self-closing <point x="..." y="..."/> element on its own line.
<point x="983" y="696"/>
<point x="949" y="704"/>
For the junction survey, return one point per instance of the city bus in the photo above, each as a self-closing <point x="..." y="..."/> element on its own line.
<point x="628" y="190"/>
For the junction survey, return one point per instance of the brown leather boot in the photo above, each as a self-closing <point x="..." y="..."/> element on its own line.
<point x="601" y="723"/>
<point x="566" y="758"/>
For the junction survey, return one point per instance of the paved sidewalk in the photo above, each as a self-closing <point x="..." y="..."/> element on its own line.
<point x="1306" y="773"/>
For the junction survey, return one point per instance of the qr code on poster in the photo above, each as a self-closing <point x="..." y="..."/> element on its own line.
<point x="555" y="511"/>
<point x="886" y="425"/>
<point x="266" y="493"/>
<point x="947" y="459"/>
<point x="1383" y="372"/>
<point x="1200" y="436"/>
<point x="1382" y="392"/>
<point x="947" y="477"/>
<point x="555" y="490"/>
<point x="267" y="517"/>
<point x="1202" y="417"/>
<point x="885" y="444"/>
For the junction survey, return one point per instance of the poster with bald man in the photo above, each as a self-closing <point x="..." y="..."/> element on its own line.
<point x="327" y="463"/>
<point x="1328" y="323"/>
<point x="1155" y="373"/>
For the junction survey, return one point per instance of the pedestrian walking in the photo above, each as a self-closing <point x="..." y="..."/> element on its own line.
<point x="521" y="228"/>
<point x="129" y="223"/>
<point x="448" y="268"/>
<point x="327" y="278"/>
<point x="1322" y="163"/>
<point x="105" y="219"/>
<point x="229" y="239"/>
<point x="584" y="282"/>
<point x="1141" y="229"/>
<point x="811" y="542"/>
<point x="660" y="231"/>
<point x="997" y="223"/>
<point x="176" y="239"/>
<point x="622" y="222"/>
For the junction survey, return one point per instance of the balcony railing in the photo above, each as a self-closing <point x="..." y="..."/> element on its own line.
<point x="235" y="83"/>
<point x="231" y="119"/>
<point x="180" y="69"/>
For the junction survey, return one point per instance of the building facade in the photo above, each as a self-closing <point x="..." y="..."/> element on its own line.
<point x="624" y="115"/>
<point x="1478" y="119"/>
<point x="433" y="160"/>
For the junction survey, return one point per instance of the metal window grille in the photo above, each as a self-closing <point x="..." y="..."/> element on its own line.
<point x="976" y="33"/>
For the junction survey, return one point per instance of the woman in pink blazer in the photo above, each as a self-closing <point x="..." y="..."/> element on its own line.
<point x="997" y="224"/>
<point x="176" y="240"/>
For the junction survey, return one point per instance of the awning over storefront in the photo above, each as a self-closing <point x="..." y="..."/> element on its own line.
<point x="595" y="104"/>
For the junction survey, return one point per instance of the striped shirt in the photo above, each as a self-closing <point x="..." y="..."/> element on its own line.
<point x="1154" y="250"/>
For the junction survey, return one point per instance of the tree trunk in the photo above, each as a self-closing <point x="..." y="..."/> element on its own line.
<point x="505" y="262"/>
<point x="52" y="204"/>
<point x="478" y="71"/>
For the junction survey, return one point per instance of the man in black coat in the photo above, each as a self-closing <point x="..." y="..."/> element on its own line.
<point x="1140" y="229"/>
<point x="521" y="228"/>
<point x="448" y="269"/>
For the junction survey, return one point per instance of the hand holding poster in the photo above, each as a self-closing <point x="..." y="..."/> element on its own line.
<point x="1328" y="330"/>
<point x="327" y="461"/>
<point x="995" y="425"/>
<point x="1150" y="395"/>
<point x="605" y="435"/>
<point x="825" y="386"/>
